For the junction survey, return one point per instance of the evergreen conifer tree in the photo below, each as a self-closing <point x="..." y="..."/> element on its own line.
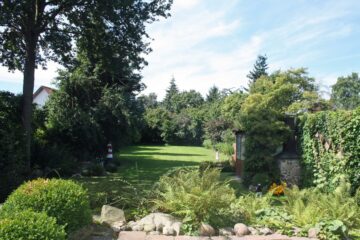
<point x="260" y="69"/>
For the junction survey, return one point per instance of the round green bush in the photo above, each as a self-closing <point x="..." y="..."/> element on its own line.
<point x="65" y="200"/>
<point x="30" y="225"/>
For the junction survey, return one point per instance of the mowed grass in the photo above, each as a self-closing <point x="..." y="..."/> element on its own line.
<point x="141" y="167"/>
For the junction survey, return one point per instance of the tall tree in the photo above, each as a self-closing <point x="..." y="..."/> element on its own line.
<point x="346" y="92"/>
<point x="213" y="95"/>
<point x="34" y="31"/>
<point x="171" y="92"/>
<point x="260" y="69"/>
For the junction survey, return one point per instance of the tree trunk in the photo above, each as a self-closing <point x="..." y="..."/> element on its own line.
<point x="28" y="89"/>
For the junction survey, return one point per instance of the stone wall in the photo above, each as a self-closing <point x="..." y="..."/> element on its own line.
<point x="290" y="171"/>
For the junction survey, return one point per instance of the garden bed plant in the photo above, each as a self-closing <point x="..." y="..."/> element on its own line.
<point x="199" y="197"/>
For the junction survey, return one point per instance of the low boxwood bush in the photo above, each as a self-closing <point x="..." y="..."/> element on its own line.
<point x="30" y="225"/>
<point x="65" y="200"/>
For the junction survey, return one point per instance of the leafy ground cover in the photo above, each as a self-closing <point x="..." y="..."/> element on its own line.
<point x="140" y="168"/>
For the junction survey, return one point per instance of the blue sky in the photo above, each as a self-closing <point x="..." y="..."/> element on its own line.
<point x="214" y="42"/>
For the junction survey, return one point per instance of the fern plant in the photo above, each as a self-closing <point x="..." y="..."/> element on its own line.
<point x="195" y="196"/>
<point x="310" y="206"/>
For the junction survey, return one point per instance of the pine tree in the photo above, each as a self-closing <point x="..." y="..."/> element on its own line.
<point x="259" y="70"/>
<point x="170" y="93"/>
<point x="213" y="95"/>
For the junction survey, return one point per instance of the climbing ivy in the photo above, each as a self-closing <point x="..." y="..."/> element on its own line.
<point x="330" y="143"/>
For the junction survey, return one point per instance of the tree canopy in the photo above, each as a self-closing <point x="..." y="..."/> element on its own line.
<point x="346" y="92"/>
<point x="32" y="32"/>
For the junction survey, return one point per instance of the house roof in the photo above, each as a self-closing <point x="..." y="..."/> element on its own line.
<point x="49" y="90"/>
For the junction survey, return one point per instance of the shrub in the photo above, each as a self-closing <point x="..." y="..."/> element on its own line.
<point x="224" y="166"/>
<point x="12" y="153"/>
<point x="332" y="230"/>
<point x="207" y="144"/>
<point x="331" y="149"/>
<point x="31" y="226"/>
<point x="261" y="178"/>
<point x="63" y="199"/>
<point x="225" y="148"/>
<point x="195" y="197"/>
<point x="310" y="206"/>
<point x="250" y="204"/>
<point x="275" y="218"/>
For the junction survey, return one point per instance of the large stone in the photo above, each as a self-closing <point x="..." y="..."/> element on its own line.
<point x="117" y="226"/>
<point x="137" y="227"/>
<point x="206" y="230"/>
<point x="313" y="232"/>
<point x="265" y="231"/>
<point x="253" y="231"/>
<point x="168" y="231"/>
<point x="226" y="231"/>
<point x="241" y="229"/>
<point x="149" y="227"/>
<point x="161" y="220"/>
<point x="111" y="214"/>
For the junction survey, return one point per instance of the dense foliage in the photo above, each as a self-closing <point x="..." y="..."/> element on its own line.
<point x="62" y="199"/>
<point x="263" y="113"/>
<point x="346" y="92"/>
<point x="330" y="148"/>
<point x="337" y="205"/>
<point x="113" y="32"/>
<point x="11" y="141"/>
<point x="196" y="197"/>
<point x="30" y="225"/>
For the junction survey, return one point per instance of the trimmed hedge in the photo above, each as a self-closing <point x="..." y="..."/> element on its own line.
<point x="330" y="146"/>
<point x="30" y="226"/>
<point x="65" y="200"/>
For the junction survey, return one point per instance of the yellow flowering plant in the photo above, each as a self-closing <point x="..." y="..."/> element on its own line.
<point x="278" y="189"/>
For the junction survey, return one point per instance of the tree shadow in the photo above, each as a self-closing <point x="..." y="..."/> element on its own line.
<point x="167" y="154"/>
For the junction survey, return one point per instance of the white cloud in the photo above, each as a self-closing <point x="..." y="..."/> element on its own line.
<point x="208" y="43"/>
<point x="183" y="4"/>
<point x="42" y="77"/>
<point x="183" y="47"/>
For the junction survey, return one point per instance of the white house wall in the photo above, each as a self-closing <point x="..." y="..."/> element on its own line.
<point x="41" y="98"/>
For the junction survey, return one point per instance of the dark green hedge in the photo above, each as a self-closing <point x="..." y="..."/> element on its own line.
<point x="330" y="143"/>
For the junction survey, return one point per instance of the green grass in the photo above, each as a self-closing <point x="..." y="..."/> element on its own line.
<point x="141" y="167"/>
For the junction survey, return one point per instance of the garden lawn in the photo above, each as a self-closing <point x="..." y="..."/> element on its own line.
<point x="141" y="167"/>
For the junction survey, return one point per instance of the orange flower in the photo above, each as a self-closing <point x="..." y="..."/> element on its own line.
<point x="278" y="189"/>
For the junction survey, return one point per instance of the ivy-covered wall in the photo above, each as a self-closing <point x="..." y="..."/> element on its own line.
<point x="330" y="144"/>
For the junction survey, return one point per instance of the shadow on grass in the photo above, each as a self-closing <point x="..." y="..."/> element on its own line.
<point x="167" y="154"/>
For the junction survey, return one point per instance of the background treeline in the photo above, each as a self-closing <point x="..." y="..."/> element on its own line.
<point x="92" y="108"/>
